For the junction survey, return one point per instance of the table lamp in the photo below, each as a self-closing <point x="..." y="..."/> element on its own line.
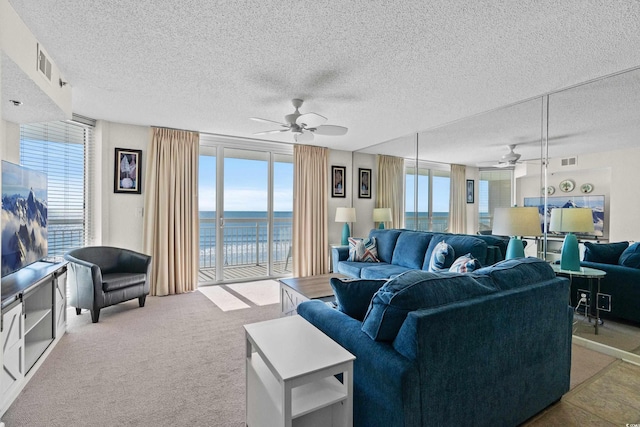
<point x="345" y="215"/>
<point x="571" y="220"/>
<point x="381" y="215"/>
<point x="514" y="222"/>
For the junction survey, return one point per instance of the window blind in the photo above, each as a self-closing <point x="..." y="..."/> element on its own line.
<point x="60" y="150"/>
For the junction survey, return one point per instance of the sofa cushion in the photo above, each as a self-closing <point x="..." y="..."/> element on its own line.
<point x="442" y="256"/>
<point x="354" y="295"/>
<point x="631" y="256"/>
<point x="515" y="273"/>
<point x="363" y="249"/>
<point x="413" y="290"/>
<point x="410" y="249"/>
<point x="465" y="264"/>
<point x="352" y="269"/>
<point x="385" y="242"/>
<point x="606" y="253"/>
<point x="114" y="281"/>
<point x="461" y="244"/>
<point x="382" y="271"/>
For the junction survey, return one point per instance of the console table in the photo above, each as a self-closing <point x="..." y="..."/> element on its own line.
<point x="294" y="290"/>
<point x="33" y="317"/>
<point x="290" y="376"/>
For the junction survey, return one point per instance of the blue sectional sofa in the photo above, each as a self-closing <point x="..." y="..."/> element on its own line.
<point x="403" y="250"/>
<point x="488" y="348"/>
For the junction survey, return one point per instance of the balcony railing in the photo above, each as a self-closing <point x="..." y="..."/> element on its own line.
<point x="245" y="243"/>
<point x="423" y="223"/>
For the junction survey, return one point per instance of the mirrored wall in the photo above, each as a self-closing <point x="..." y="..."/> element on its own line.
<point x="574" y="144"/>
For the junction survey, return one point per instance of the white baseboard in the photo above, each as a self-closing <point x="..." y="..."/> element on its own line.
<point x="605" y="349"/>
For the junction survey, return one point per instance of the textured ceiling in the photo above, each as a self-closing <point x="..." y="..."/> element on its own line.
<point x="384" y="69"/>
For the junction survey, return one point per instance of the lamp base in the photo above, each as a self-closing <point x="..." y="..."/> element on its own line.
<point x="381" y="225"/>
<point x="345" y="234"/>
<point x="570" y="256"/>
<point x="515" y="249"/>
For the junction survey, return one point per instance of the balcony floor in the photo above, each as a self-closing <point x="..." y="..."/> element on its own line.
<point x="245" y="272"/>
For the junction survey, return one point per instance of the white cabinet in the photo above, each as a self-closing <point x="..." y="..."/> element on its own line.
<point x="13" y="352"/>
<point x="33" y="316"/>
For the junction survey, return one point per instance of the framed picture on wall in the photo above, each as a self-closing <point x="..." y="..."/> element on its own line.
<point x="470" y="190"/>
<point x="338" y="181"/>
<point x="127" y="171"/>
<point x="364" y="184"/>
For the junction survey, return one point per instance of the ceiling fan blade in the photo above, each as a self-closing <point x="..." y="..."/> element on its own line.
<point x="258" y="119"/>
<point x="267" y="132"/>
<point x="303" y="137"/>
<point x="310" y="120"/>
<point x="331" y="130"/>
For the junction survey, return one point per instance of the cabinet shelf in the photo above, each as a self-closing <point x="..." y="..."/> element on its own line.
<point x="33" y="350"/>
<point x="32" y="318"/>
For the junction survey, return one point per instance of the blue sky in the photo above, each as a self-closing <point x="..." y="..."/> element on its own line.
<point x="246" y="185"/>
<point x="440" y="194"/>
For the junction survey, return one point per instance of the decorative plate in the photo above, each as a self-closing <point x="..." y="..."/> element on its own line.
<point x="567" y="185"/>
<point x="550" y="190"/>
<point x="586" y="188"/>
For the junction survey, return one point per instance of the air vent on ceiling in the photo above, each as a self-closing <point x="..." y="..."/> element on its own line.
<point x="44" y="64"/>
<point x="569" y="161"/>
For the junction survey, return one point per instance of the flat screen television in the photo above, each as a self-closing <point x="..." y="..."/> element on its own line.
<point x="596" y="203"/>
<point x="24" y="217"/>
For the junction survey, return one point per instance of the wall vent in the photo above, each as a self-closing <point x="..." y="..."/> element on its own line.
<point x="569" y="161"/>
<point x="44" y="64"/>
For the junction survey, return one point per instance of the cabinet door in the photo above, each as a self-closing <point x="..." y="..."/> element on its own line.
<point x="12" y="351"/>
<point x="61" y="303"/>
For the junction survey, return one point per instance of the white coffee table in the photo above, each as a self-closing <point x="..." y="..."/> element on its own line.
<point x="290" y="368"/>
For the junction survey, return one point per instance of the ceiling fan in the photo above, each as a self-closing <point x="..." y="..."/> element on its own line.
<point x="303" y="126"/>
<point x="509" y="159"/>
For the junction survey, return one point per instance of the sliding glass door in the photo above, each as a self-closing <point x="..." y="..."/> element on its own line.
<point x="246" y="199"/>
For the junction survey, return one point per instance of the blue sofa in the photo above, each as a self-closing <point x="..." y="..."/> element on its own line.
<point x="621" y="262"/>
<point x="489" y="348"/>
<point x="403" y="250"/>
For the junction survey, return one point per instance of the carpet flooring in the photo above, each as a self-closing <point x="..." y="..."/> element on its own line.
<point x="178" y="361"/>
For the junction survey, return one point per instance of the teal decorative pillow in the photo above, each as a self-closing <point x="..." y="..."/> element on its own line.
<point x="413" y="290"/>
<point x="363" y="250"/>
<point x="442" y="257"/>
<point x="353" y="296"/>
<point x="605" y="253"/>
<point x="631" y="256"/>
<point x="465" y="264"/>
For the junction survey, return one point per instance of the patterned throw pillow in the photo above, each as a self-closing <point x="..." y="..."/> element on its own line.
<point x="465" y="264"/>
<point x="442" y="257"/>
<point x="363" y="250"/>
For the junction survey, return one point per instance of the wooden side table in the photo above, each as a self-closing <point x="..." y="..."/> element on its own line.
<point x="290" y="368"/>
<point x="590" y="274"/>
<point x="294" y="290"/>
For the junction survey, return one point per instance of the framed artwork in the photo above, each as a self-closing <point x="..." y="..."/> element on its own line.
<point x="338" y="181"/>
<point x="127" y="171"/>
<point x="470" y="191"/>
<point x="364" y="187"/>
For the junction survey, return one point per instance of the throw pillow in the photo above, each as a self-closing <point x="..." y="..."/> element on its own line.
<point x="413" y="290"/>
<point x="631" y="256"/>
<point x="363" y="250"/>
<point x="606" y="253"/>
<point x="353" y="296"/>
<point x="442" y="257"/>
<point x="465" y="264"/>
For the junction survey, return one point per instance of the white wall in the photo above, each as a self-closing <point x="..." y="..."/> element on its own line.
<point x="364" y="207"/>
<point x="121" y="222"/>
<point x="340" y="158"/>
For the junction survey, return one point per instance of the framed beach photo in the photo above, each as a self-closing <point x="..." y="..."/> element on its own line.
<point x="338" y="181"/>
<point x="127" y="171"/>
<point x="364" y="187"/>
<point x="470" y="191"/>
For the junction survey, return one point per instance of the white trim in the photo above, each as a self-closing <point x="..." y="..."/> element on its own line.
<point x="605" y="349"/>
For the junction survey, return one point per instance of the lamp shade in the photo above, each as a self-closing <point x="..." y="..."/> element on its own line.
<point x="571" y="220"/>
<point x="381" y="214"/>
<point x="516" y="221"/>
<point x="345" y="214"/>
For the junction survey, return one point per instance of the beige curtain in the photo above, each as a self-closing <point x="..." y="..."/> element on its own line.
<point x="310" y="206"/>
<point x="171" y="211"/>
<point x="458" y="200"/>
<point x="390" y="188"/>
